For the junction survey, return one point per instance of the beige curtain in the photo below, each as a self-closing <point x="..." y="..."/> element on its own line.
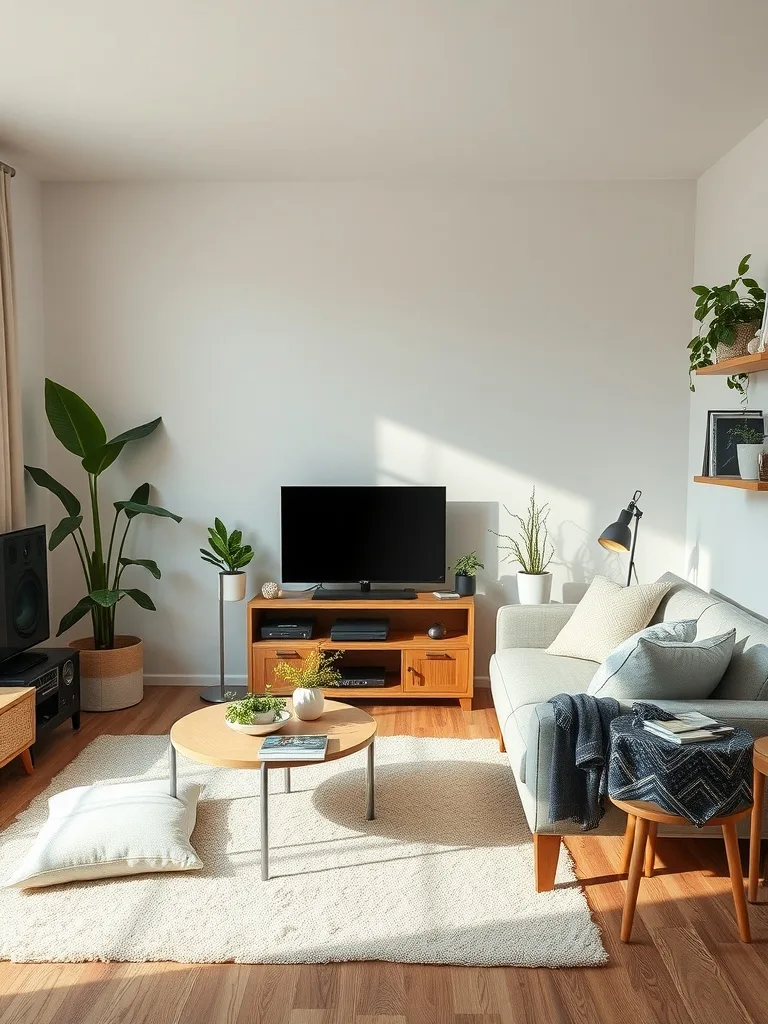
<point x="12" y="510"/>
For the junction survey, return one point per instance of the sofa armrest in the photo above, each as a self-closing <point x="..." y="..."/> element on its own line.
<point x="530" y="625"/>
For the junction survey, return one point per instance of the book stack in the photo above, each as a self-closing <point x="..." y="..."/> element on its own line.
<point x="293" y="748"/>
<point x="688" y="727"/>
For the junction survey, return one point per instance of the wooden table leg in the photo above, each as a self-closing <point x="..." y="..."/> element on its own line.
<point x="26" y="760"/>
<point x="737" y="880"/>
<point x="629" y="838"/>
<point x="650" y="849"/>
<point x="633" y="882"/>
<point x="756" y="833"/>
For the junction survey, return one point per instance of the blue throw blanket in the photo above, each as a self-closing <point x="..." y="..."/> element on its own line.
<point x="579" y="779"/>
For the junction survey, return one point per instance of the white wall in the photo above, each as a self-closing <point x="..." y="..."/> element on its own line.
<point x="727" y="531"/>
<point x="486" y="339"/>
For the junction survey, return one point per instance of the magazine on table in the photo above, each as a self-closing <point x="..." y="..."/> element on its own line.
<point x="309" y="747"/>
<point x="688" y="727"/>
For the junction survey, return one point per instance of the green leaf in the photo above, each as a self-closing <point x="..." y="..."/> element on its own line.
<point x="235" y="539"/>
<point x="145" y="563"/>
<point x="219" y="546"/>
<point x="744" y="265"/>
<point x="149" y="510"/>
<point x="66" y="527"/>
<point x="244" y="559"/>
<point x="102" y="458"/>
<point x="700" y="289"/>
<point x="206" y="557"/>
<point x="142" y="600"/>
<point x="65" y="496"/>
<point x="136" y="433"/>
<point x="72" y="420"/>
<point x="750" y="282"/>
<point x="105" y="598"/>
<point x="699" y="314"/>
<point x="75" y="614"/>
<point x="220" y="529"/>
<point x="141" y="497"/>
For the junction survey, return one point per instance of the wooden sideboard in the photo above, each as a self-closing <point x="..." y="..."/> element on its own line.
<point x="17" y="724"/>
<point x="416" y="666"/>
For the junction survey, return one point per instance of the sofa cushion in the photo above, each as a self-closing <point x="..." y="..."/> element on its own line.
<point x="747" y="675"/>
<point x="682" y="601"/>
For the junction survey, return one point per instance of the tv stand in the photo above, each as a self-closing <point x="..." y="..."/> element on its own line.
<point x="415" y="666"/>
<point x="363" y="594"/>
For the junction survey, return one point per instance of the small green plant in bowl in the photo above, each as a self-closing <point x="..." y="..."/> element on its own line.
<point x="257" y="714"/>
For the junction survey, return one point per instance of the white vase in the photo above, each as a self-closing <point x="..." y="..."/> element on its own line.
<point x="534" y="588"/>
<point x="749" y="456"/>
<point x="308" y="703"/>
<point x="232" y="586"/>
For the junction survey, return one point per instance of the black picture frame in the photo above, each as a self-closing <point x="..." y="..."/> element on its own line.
<point x="720" y="457"/>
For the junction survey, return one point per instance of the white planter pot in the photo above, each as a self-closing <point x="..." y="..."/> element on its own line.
<point x="308" y="703"/>
<point x="534" y="589"/>
<point x="232" y="586"/>
<point x="749" y="455"/>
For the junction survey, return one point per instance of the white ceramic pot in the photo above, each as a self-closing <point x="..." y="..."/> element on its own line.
<point x="749" y="455"/>
<point x="534" y="588"/>
<point x="233" y="586"/>
<point x="308" y="703"/>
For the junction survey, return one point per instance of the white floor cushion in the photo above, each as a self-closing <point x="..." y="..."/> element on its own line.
<point x="104" y="831"/>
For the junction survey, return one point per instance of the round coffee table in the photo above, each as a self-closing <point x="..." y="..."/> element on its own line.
<point x="205" y="737"/>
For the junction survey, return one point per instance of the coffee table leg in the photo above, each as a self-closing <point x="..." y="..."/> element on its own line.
<point x="264" y="815"/>
<point x="172" y="766"/>
<point x="287" y="777"/>
<point x="370" y="810"/>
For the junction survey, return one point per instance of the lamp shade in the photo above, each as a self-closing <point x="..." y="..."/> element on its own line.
<point x="618" y="536"/>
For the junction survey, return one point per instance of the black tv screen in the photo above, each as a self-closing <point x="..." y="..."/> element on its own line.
<point x="351" y="534"/>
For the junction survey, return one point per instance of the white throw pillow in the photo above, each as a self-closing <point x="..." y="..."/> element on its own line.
<point x="606" y="616"/>
<point x="104" y="831"/>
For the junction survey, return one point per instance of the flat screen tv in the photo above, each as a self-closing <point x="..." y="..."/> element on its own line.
<point x="363" y="534"/>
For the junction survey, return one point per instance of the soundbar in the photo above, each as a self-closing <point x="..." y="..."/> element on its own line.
<point x="325" y="594"/>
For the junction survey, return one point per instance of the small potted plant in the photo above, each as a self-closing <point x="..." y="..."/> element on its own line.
<point x="309" y="679"/>
<point x="465" y="574"/>
<point x="257" y="714"/>
<point x="533" y="551"/>
<point x="750" y="442"/>
<point x="230" y="556"/>
<point x="729" y="319"/>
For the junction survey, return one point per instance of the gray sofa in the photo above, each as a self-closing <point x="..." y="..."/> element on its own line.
<point x="524" y="676"/>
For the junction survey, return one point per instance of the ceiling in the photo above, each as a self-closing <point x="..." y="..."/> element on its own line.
<point x="379" y="89"/>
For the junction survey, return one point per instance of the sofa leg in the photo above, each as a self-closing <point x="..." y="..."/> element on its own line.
<point x="546" y="851"/>
<point x="499" y="736"/>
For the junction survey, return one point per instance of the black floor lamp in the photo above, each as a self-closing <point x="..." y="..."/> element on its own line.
<point x="619" y="536"/>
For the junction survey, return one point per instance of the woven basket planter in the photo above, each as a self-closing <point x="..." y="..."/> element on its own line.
<point x="742" y="335"/>
<point x="112" y="679"/>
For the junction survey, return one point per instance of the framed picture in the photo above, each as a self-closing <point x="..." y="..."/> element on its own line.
<point x="720" y="458"/>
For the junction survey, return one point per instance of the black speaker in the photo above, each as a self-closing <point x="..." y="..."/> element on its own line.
<point x="23" y="591"/>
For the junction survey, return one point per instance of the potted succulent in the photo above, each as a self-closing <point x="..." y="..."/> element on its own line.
<point x="729" y="319"/>
<point x="230" y="556"/>
<point x="309" y="679"/>
<point x="257" y="714"/>
<point x="111" y="665"/>
<point x="750" y="443"/>
<point x="465" y="574"/>
<point x="533" y="551"/>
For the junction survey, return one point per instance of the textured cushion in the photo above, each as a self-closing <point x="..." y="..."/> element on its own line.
<point x="104" y="831"/>
<point x="682" y="601"/>
<point x="664" y="662"/>
<point x="606" y="616"/>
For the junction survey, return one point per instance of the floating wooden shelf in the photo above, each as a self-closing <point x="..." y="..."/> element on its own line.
<point x="733" y="481"/>
<point x="742" y="364"/>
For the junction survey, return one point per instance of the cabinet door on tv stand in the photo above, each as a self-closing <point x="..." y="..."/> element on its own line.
<point x="265" y="659"/>
<point x="436" y="672"/>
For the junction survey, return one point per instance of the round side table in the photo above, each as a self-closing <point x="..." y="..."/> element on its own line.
<point x="759" y="772"/>
<point x="642" y="821"/>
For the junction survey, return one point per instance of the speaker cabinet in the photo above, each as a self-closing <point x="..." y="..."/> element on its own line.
<point x="23" y="590"/>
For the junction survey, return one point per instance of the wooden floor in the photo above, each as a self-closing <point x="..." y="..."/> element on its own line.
<point x="685" y="964"/>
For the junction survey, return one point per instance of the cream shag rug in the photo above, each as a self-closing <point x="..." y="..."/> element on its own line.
<point x="443" y="875"/>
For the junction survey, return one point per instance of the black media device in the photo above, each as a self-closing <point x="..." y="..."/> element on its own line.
<point x="360" y="629"/>
<point x="56" y="677"/>
<point x="287" y="627"/>
<point x="363" y="675"/>
<point x="364" y="535"/>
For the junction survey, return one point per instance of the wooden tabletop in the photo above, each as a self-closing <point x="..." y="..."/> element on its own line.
<point x="760" y="757"/>
<point x="205" y="737"/>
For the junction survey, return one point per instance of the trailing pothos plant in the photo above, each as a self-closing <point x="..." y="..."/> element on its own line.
<point x="81" y="432"/>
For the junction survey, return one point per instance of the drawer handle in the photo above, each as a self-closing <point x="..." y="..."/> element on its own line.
<point x="438" y="657"/>
<point x="287" y="654"/>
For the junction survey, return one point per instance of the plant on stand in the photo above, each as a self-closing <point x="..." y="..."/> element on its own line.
<point x="230" y="556"/>
<point x="729" y="319"/>
<point x="750" y="443"/>
<point x="315" y="674"/>
<point x="111" y="666"/>
<point x="465" y="573"/>
<point x="532" y="551"/>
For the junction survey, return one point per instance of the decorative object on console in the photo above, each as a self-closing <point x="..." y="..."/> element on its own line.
<point x="230" y="556"/>
<point x="619" y="537"/>
<point x="732" y="319"/>
<point x="309" y="679"/>
<point x="465" y="573"/>
<point x="257" y="715"/>
<point x="750" y="444"/>
<point x="762" y="465"/>
<point x="436" y="631"/>
<point x="110" y="666"/>
<point x="270" y="590"/>
<point x="532" y="551"/>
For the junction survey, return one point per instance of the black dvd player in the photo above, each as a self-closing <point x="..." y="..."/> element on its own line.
<point x="363" y="675"/>
<point x="287" y="627"/>
<point x="360" y="629"/>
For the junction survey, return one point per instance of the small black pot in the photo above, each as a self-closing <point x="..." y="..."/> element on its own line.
<point x="465" y="585"/>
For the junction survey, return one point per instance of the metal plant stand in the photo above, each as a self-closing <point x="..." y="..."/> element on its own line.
<point x="215" y="694"/>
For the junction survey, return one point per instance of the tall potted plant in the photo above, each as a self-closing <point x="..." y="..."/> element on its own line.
<point x="533" y="551"/>
<point x="111" y="665"/>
